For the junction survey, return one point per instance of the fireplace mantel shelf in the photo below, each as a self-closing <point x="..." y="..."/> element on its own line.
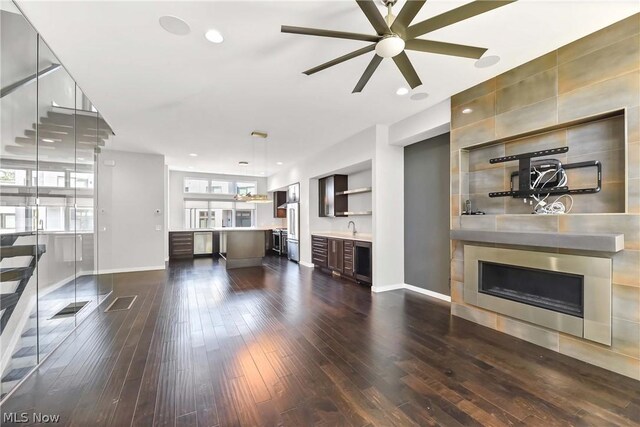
<point x="579" y="241"/>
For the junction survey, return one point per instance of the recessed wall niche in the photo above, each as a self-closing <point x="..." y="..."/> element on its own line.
<point x="596" y="138"/>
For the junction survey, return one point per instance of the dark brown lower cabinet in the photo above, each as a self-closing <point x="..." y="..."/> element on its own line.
<point x="350" y="258"/>
<point x="181" y="244"/>
<point x="336" y="255"/>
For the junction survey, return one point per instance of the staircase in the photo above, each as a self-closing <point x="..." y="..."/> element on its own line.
<point x="13" y="281"/>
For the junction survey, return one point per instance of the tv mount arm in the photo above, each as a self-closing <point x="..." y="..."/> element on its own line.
<point x="525" y="187"/>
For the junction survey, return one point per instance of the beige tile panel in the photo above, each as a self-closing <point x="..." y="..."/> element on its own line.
<point x="456" y="291"/>
<point x="518" y="207"/>
<point x="532" y="117"/>
<point x="481" y="108"/>
<point x="600" y="356"/>
<point x="633" y="160"/>
<point x="633" y="124"/>
<point x="528" y="332"/>
<point x="455" y="222"/>
<point x="626" y="302"/>
<point x="625" y="337"/>
<point x="633" y="203"/>
<point x="520" y="73"/>
<point x="613" y="168"/>
<point x="609" y="95"/>
<point x="602" y="64"/>
<point x="477" y="91"/>
<point x="477" y="133"/>
<point x="485" y="181"/>
<point x="547" y="223"/>
<point x="457" y="270"/>
<point x="626" y="268"/>
<point x="479" y="157"/>
<point x="454" y="183"/>
<point x="614" y="223"/>
<point x="457" y="250"/>
<point x="478" y="222"/>
<point x="454" y="162"/>
<point x="490" y="206"/>
<point x="455" y="205"/>
<point x="607" y="36"/>
<point x="595" y="137"/>
<point x="529" y="91"/>
<point x="538" y="142"/>
<point x="476" y="315"/>
<point x="610" y="199"/>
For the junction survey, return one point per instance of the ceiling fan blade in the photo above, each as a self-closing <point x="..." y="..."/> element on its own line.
<point x="407" y="70"/>
<point x="374" y="16"/>
<point x="328" y="33"/>
<point x="368" y="72"/>
<point x="456" y="15"/>
<point x="343" y="58"/>
<point x="406" y="15"/>
<point x="443" y="48"/>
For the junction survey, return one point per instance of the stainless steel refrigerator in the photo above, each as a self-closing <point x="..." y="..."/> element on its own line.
<point x="293" y="231"/>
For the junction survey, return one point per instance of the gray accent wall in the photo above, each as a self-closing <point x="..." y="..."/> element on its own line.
<point x="426" y="214"/>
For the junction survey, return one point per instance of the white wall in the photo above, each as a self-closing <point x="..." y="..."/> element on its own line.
<point x="426" y="124"/>
<point x="132" y="235"/>
<point x="264" y="211"/>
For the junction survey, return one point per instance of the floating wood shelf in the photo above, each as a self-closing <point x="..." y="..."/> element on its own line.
<point x="578" y="241"/>
<point x="359" y="213"/>
<point x="354" y="191"/>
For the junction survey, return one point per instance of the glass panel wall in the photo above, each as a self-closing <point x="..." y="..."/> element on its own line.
<point x="18" y="210"/>
<point x="51" y="136"/>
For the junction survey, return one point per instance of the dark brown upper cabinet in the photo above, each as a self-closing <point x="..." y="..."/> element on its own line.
<point x="293" y="193"/>
<point x="279" y="204"/>
<point x="330" y="202"/>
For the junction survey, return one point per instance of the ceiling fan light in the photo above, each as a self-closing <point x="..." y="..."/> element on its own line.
<point x="390" y="46"/>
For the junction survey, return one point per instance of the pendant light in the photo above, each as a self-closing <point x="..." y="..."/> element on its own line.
<point x="256" y="198"/>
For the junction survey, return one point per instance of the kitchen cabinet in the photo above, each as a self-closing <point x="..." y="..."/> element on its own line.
<point x="330" y="203"/>
<point x="335" y="257"/>
<point x="319" y="251"/>
<point x="293" y="193"/>
<point x="181" y="244"/>
<point x="279" y="204"/>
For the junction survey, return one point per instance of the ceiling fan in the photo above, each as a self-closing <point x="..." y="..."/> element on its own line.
<point x="395" y="34"/>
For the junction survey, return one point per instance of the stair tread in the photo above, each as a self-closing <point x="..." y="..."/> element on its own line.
<point x="26" y="351"/>
<point x="20" y="250"/>
<point x="8" y="300"/>
<point x="17" y="374"/>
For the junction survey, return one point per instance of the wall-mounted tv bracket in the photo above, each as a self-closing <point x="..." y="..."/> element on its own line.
<point x="525" y="174"/>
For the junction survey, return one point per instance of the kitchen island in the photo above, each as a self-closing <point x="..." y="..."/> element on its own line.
<point x="237" y="246"/>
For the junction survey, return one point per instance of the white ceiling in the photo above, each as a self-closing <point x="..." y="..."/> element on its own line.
<point x="176" y="95"/>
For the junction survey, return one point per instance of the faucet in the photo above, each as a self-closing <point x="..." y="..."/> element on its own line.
<point x="354" y="227"/>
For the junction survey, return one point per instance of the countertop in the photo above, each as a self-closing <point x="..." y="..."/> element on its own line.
<point x="362" y="237"/>
<point x="204" y="230"/>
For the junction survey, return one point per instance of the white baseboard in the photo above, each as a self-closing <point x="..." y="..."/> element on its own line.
<point x="132" y="270"/>
<point x="306" y="264"/>
<point x="413" y="289"/>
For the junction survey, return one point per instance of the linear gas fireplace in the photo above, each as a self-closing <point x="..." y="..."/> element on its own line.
<point x="568" y="293"/>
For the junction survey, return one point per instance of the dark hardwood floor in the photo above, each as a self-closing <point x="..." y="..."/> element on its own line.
<point x="283" y="345"/>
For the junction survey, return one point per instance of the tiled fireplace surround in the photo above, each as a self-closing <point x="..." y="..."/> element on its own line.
<point x="597" y="74"/>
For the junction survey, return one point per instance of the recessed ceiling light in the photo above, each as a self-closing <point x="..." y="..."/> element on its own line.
<point x="190" y="167"/>
<point x="259" y="134"/>
<point x="278" y="163"/>
<point x="487" y="61"/>
<point x="467" y="111"/>
<point x="402" y="91"/>
<point x="193" y="154"/>
<point x="174" y="25"/>
<point x="81" y="158"/>
<point x="261" y="173"/>
<point x="243" y="163"/>
<point x="214" y="36"/>
<point x="419" y="96"/>
<point x="47" y="140"/>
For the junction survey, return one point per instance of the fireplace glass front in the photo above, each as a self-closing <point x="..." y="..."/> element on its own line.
<point x="557" y="291"/>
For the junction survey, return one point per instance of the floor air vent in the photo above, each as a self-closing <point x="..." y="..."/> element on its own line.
<point x="122" y="303"/>
<point x="70" y="309"/>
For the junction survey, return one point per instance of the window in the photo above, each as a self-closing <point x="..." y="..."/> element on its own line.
<point x="13" y="177"/>
<point x="193" y="185"/>
<point x="49" y="179"/>
<point x="221" y="187"/>
<point x="217" y="214"/>
<point x="245" y="188"/>
<point x="81" y="180"/>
